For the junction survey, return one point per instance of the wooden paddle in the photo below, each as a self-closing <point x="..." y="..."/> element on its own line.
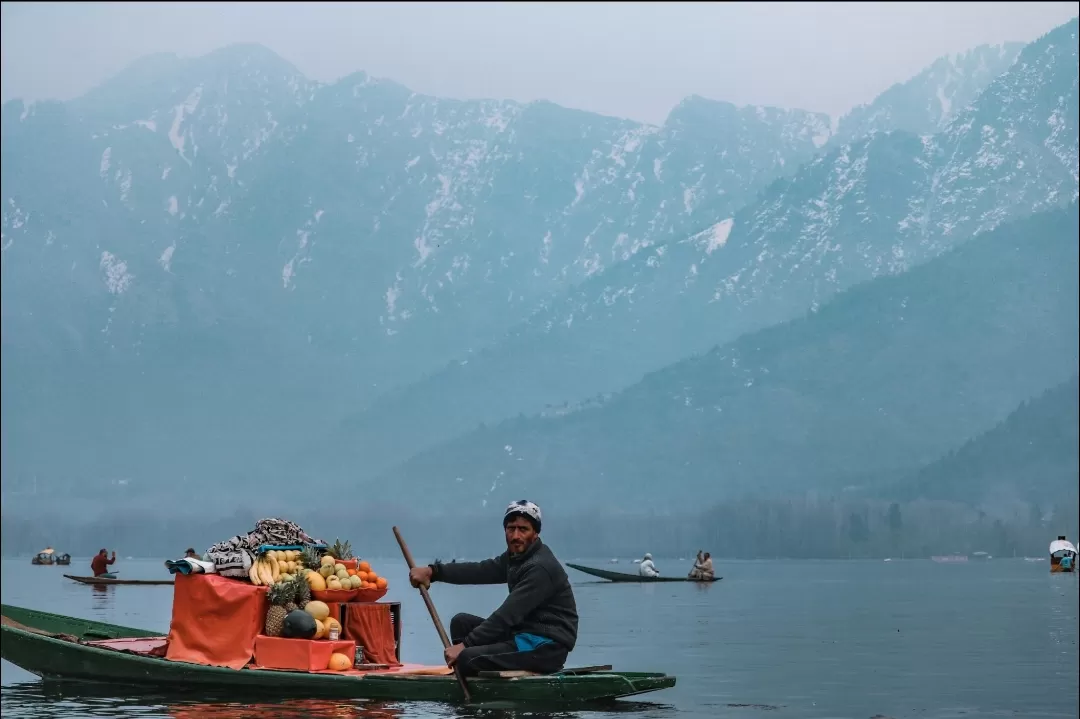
<point x="434" y="615"/>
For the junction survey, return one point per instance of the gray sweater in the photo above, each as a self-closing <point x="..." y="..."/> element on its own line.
<point x="541" y="601"/>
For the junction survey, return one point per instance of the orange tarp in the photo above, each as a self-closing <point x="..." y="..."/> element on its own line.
<point x="215" y="620"/>
<point x="370" y="626"/>
<point x="305" y="655"/>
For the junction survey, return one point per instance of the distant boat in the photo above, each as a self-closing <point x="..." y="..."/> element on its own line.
<point x="113" y="581"/>
<point x="1062" y="555"/>
<point x="950" y="558"/>
<point x="48" y="557"/>
<point x="981" y="556"/>
<point x="636" y="578"/>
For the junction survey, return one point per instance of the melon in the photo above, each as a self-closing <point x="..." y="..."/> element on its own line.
<point x="331" y="623"/>
<point x="317" y="609"/>
<point x="316" y="582"/>
<point x="339" y="662"/>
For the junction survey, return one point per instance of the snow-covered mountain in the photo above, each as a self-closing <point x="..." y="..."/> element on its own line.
<point x="261" y="254"/>
<point x="221" y="234"/>
<point x="874" y="206"/>
<point x="883" y="379"/>
<point x="926" y="103"/>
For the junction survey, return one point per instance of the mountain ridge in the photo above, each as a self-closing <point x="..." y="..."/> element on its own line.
<point x="244" y="238"/>
<point x="877" y="205"/>
<point x="359" y="231"/>
<point x="842" y="392"/>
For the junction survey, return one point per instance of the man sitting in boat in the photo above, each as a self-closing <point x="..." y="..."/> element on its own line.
<point x="703" y="569"/>
<point x="647" y="568"/>
<point x="99" y="564"/>
<point x="536" y="626"/>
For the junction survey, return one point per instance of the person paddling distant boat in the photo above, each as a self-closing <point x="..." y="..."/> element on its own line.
<point x="703" y="568"/>
<point x="647" y="568"/>
<point x="536" y="626"/>
<point x="99" y="564"/>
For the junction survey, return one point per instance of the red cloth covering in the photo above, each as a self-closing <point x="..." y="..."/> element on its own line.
<point x="370" y="626"/>
<point x="305" y="655"/>
<point x="215" y="620"/>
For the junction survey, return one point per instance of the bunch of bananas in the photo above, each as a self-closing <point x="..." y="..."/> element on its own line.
<point x="274" y="566"/>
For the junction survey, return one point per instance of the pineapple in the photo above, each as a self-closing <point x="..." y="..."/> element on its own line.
<point x="340" y="550"/>
<point x="279" y="596"/>
<point x="301" y="592"/>
<point x="310" y="558"/>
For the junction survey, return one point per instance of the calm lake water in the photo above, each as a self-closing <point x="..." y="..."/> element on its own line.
<point x="851" y="639"/>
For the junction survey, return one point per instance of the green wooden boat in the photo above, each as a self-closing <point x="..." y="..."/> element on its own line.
<point x="620" y="577"/>
<point x="60" y="648"/>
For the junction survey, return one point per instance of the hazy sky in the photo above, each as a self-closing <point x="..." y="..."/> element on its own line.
<point x="631" y="60"/>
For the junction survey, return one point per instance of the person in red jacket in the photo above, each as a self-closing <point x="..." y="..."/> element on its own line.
<point x="99" y="564"/>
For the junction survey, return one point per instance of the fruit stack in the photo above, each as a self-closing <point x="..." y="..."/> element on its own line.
<point x="337" y="576"/>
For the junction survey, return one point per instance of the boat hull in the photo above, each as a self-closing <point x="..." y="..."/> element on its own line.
<point x="130" y="582"/>
<point x="636" y="578"/>
<point x="59" y="660"/>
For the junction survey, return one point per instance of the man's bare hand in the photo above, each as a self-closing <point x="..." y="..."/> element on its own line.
<point x="451" y="654"/>
<point x="420" y="577"/>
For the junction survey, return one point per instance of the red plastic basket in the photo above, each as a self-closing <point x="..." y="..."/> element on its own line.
<point x="370" y="595"/>
<point x="335" y="595"/>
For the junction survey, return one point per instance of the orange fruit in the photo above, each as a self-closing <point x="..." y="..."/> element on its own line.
<point x="339" y="662"/>
<point x="364" y="567"/>
<point x="381" y="582"/>
<point x="352" y="572"/>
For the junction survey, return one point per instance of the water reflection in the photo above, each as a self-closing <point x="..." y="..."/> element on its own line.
<point x="296" y="709"/>
<point x="48" y="699"/>
<point x="101" y="601"/>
